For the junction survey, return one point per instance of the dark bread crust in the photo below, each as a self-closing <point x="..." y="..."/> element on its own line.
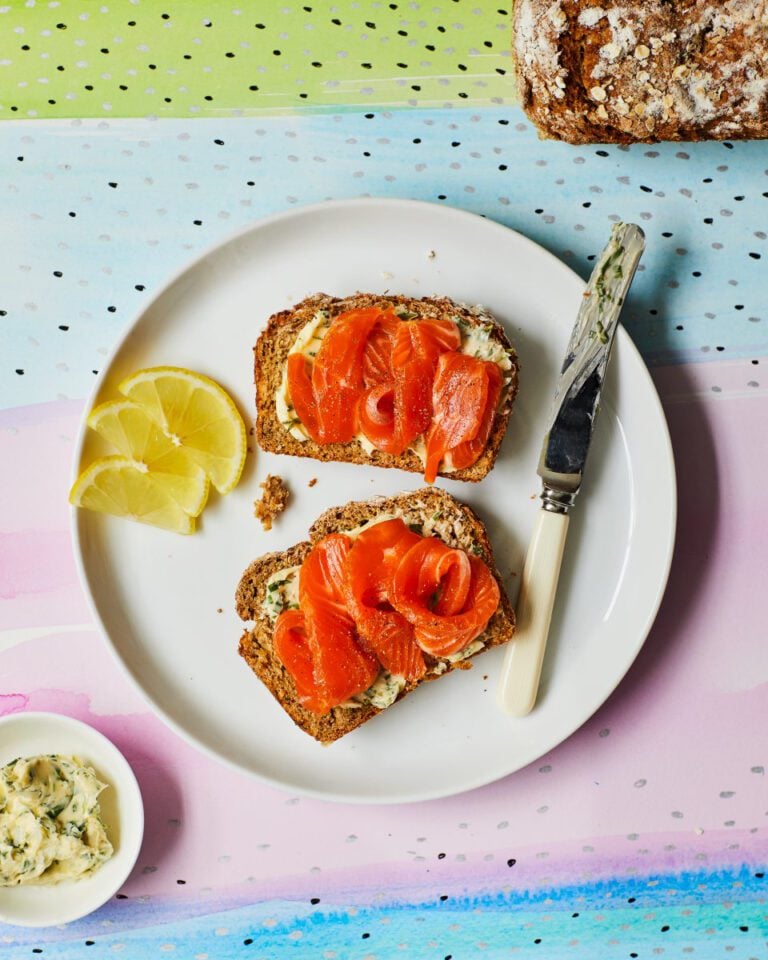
<point x="271" y="353"/>
<point x="602" y="71"/>
<point x="256" y="643"/>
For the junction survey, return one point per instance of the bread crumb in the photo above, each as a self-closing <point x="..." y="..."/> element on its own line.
<point x="219" y="610"/>
<point x="312" y="482"/>
<point x="272" y="502"/>
<point x="431" y="255"/>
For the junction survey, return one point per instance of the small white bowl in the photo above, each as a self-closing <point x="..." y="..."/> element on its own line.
<point x="30" y="734"/>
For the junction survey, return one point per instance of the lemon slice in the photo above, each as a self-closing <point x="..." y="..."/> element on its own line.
<point x="197" y="415"/>
<point x="116" y="485"/>
<point x="127" y="427"/>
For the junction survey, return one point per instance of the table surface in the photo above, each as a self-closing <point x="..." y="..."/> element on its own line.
<point x="643" y="834"/>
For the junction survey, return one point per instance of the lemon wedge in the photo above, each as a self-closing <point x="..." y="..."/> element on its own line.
<point x="126" y="426"/>
<point x="116" y="485"/>
<point x="198" y="417"/>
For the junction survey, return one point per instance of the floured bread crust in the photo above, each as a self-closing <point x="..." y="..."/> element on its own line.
<point x="613" y="72"/>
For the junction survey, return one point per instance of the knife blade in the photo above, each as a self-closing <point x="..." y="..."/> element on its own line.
<point x="564" y="452"/>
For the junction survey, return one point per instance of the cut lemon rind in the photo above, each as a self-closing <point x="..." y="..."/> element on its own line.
<point x="196" y="414"/>
<point x="115" y="486"/>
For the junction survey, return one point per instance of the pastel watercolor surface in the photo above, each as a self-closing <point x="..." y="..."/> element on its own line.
<point x="643" y="834"/>
<point x="218" y="59"/>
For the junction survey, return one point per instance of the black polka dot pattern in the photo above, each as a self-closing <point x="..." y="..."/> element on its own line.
<point x="181" y="64"/>
<point x="696" y="292"/>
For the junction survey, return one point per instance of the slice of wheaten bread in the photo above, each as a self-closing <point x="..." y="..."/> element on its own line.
<point x="271" y="355"/>
<point x="436" y="513"/>
<point x="642" y="70"/>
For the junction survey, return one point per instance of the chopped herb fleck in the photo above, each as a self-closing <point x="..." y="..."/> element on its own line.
<point x="613" y="260"/>
<point x="600" y="332"/>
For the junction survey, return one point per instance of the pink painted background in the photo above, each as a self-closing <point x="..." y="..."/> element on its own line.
<point x="668" y="766"/>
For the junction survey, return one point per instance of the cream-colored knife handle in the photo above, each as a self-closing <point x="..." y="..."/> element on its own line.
<point x="521" y="670"/>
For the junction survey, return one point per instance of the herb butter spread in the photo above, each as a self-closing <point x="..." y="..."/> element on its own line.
<point x="381" y="694"/>
<point x="50" y="822"/>
<point x="282" y="592"/>
<point x="476" y="340"/>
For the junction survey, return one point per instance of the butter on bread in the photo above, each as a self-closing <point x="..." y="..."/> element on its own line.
<point x="459" y="527"/>
<point x="271" y="355"/>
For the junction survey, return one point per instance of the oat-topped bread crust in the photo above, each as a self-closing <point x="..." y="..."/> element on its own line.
<point x="617" y="72"/>
<point x="459" y="527"/>
<point x="271" y="355"/>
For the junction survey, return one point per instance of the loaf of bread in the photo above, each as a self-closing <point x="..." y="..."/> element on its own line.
<point x="600" y="71"/>
<point x="279" y="336"/>
<point x="441" y="516"/>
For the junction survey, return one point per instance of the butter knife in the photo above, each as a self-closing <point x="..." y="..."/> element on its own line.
<point x="563" y="456"/>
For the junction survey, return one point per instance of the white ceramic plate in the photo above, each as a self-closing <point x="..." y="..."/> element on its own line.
<point x="30" y="734"/>
<point x="158" y="596"/>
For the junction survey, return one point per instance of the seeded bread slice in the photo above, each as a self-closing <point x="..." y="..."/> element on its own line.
<point x="438" y="513"/>
<point x="271" y="355"/>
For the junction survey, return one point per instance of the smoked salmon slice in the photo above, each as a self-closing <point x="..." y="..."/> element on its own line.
<point x="376" y="407"/>
<point x="448" y="600"/>
<point x="466" y="453"/>
<point x="326" y="404"/>
<point x="341" y="668"/>
<point x="302" y="395"/>
<point x="377" y="356"/>
<point x="292" y="649"/>
<point x="398" y="368"/>
<point x="415" y="353"/>
<point x="459" y="400"/>
<point x="376" y="418"/>
<point x="370" y="568"/>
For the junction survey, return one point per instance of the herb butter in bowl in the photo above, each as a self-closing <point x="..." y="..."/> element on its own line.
<point x="71" y="819"/>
